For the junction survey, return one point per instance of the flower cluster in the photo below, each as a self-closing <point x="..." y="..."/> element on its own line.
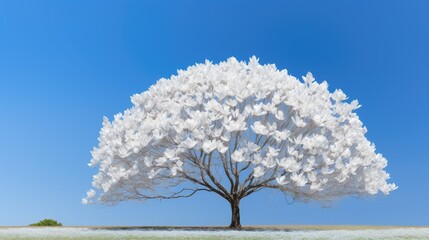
<point x="254" y="115"/>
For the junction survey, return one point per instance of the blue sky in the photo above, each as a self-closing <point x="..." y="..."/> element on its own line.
<point x="66" y="64"/>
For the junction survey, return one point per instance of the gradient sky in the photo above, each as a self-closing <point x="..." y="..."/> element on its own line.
<point x="66" y="64"/>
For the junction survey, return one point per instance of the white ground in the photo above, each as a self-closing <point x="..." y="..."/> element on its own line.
<point x="85" y="233"/>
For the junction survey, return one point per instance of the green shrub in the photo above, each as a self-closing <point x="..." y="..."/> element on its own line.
<point x="47" y="222"/>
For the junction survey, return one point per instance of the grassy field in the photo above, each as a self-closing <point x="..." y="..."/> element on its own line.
<point x="212" y="233"/>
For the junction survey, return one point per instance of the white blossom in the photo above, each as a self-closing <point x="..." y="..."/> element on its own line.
<point x="298" y="121"/>
<point x="258" y="171"/>
<point x="238" y="156"/>
<point x="299" y="179"/>
<point x="89" y="197"/>
<point x="259" y="128"/>
<point x="210" y="145"/>
<point x="189" y="143"/>
<point x="282" y="180"/>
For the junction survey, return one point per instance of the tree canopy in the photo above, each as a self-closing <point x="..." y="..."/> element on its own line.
<point x="235" y="128"/>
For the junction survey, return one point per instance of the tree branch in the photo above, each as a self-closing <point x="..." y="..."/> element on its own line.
<point x="174" y="195"/>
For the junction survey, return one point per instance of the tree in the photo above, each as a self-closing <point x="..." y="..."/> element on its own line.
<point x="233" y="129"/>
<point x="46" y="222"/>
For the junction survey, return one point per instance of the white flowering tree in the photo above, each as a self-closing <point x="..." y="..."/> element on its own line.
<point x="233" y="129"/>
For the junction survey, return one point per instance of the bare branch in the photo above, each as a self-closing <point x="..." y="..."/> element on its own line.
<point x="174" y="195"/>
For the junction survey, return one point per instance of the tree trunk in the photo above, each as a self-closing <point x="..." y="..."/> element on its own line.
<point x="235" y="214"/>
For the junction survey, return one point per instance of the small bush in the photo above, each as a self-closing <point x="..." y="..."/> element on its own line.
<point x="47" y="222"/>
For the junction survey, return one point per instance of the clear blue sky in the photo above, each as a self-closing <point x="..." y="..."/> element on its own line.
<point x="66" y="64"/>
